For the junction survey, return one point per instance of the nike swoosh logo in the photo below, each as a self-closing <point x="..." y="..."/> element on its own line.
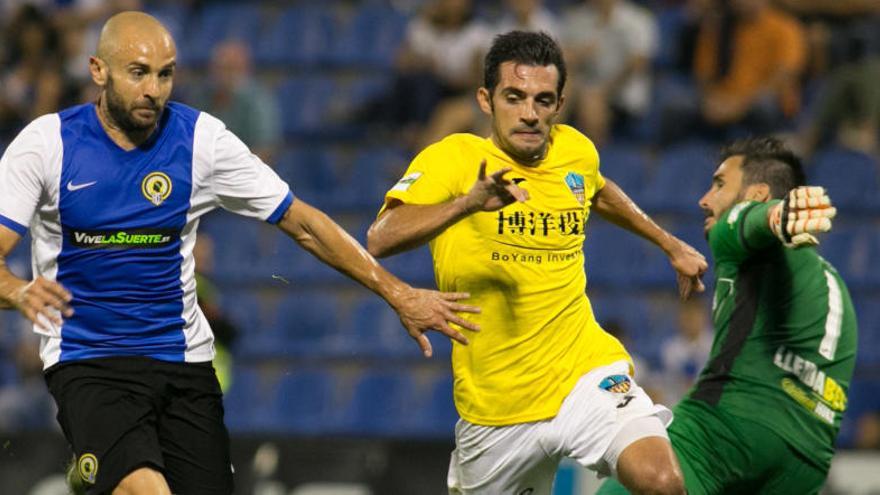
<point x="76" y="187"/>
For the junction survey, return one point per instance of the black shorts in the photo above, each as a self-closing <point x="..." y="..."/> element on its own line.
<point x="123" y="413"/>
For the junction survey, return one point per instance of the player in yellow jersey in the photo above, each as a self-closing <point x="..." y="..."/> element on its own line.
<point x="541" y="380"/>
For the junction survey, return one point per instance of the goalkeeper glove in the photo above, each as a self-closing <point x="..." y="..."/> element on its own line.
<point x="803" y="212"/>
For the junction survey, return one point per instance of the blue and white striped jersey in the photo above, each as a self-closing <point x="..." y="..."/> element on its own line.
<point x="117" y="227"/>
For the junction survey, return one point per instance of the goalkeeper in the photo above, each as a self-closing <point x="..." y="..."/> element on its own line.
<point x="764" y="413"/>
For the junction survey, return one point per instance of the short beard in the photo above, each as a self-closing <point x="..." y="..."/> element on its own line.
<point x="120" y="115"/>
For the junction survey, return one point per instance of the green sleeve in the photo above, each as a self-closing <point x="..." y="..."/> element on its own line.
<point x="741" y="231"/>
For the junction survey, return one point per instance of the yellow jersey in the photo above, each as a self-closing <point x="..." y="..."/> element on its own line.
<point x="524" y="267"/>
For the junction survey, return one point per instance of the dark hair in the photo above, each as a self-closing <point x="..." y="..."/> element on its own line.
<point x="523" y="47"/>
<point x="767" y="160"/>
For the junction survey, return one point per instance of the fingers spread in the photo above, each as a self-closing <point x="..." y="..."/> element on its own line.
<point x="498" y="177"/>
<point x="454" y="296"/>
<point x="464" y="308"/>
<point x="462" y="323"/>
<point x="517" y="193"/>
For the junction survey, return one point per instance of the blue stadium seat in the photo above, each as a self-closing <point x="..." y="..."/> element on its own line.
<point x="611" y="255"/>
<point x="415" y="267"/>
<point x="437" y="418"/>
<point x="371" y="39"/>
<point x="852" y="250"/>
<point x="303" y="35"/>
<point x="375" y="330"/>
<point x="670" y="23"/>
<point x="373" y="173"/>
<point x="305" y="105"/>
<point x="851" y="177"/>
<point x="242" y="246"/>
<point x="303" y="403"/>
<point x="244" y="398"/>
<point x="218" y="22"/>
<point x="381" y="404"/>
<point x="625" y="165"/>
<point x="868" y="314"/>
<point x="682" y="175"/>
<point x="307" y="322"/>
<point x="313" y="174"/>
<point x="863" y="397"/>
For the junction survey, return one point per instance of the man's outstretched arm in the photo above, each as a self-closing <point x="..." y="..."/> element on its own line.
<point x="420" y="310"/>
<point x="404" y="226"/>
<point x="615" y="206"/>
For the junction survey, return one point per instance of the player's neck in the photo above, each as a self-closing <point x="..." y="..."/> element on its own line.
<point x="531" y="162"/>
<point x="127" y="140"/>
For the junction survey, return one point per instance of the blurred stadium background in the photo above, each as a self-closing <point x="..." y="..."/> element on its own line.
<point x="325" y="392"/>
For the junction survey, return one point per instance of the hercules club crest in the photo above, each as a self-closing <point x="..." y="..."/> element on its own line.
<point x="156" y="187"/>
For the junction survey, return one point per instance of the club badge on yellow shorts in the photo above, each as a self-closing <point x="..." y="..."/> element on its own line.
<point x="156" y="187"/>
<point x="88" y="468"/>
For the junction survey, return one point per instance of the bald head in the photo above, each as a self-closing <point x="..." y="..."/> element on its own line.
<point x="132" y="34"/>
<point x="134" y="67"/>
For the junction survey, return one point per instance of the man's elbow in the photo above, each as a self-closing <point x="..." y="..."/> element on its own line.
<point x="376" y="244"/>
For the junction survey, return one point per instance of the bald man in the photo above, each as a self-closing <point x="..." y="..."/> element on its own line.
<point x="112" y="192"/>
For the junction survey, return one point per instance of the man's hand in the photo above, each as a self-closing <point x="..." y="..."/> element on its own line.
<point x="689" y="267"/>
<point x="421" y="310"/>
<point x="493" y="192"/>
<point x="42" y="300"/>
<point x="803" y="212"/>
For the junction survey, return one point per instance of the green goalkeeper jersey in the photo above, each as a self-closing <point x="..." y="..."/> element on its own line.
<point x="785" y="335"/>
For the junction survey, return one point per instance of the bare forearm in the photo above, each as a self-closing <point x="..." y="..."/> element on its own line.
<point x="323" y="238"/>
<point x="406" y="226"/>
<point x="9" y="283"/>
<point x="612" y="204"/>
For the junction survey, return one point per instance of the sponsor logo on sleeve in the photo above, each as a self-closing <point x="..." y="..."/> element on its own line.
<point x="406" y="182"/>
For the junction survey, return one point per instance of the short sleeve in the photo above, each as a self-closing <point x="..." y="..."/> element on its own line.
<point x="22" y="174"/>
<point x="243" y="184"/>
<point x="430" y="178"/>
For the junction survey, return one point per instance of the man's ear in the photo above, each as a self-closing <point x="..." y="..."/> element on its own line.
<point x="758" y="192"/>
<point x="484" y="98"/>
<point x="99" y="71"/>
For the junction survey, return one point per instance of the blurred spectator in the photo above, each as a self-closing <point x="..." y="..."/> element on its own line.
<point x="748" y="62"/>
<point x="462" y="114"/>
<point x="609" y="47"/>
<point x="527" y="15"/>
<point x="31" y="81"/>
<point x="440" y="59"/>
<point x="868" y="431"/>
<point x="685" y="354"/>
<point x="234" y="96"/>
<point x="848" y="108"/>
<point x="79" y="22"/>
